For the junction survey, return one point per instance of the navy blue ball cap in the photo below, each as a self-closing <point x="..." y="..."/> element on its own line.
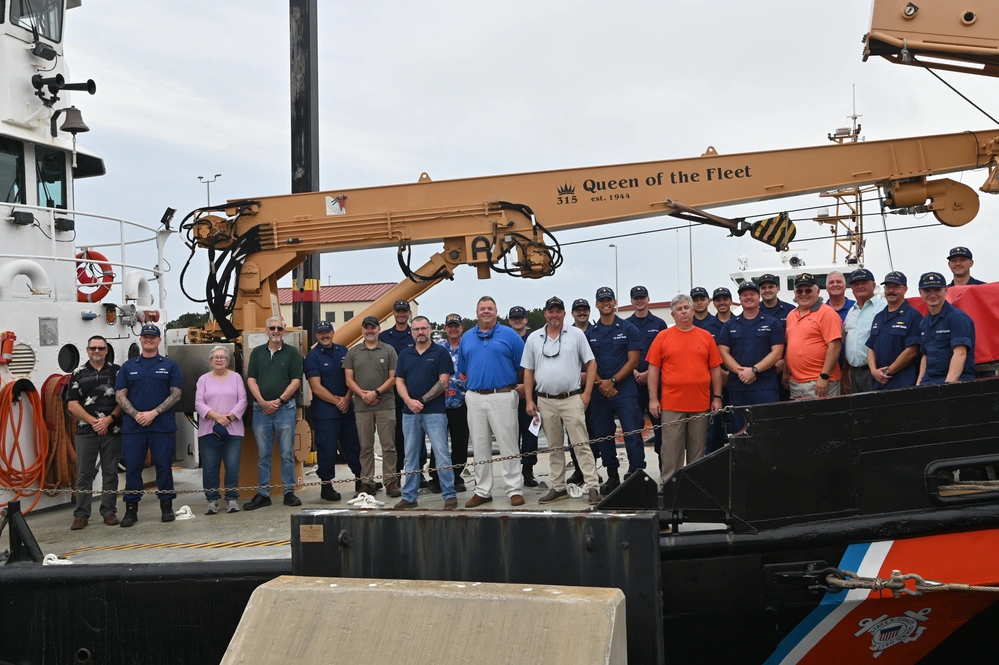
<point x="767" y="278"/>
<point x="721" y="292"/>
<point x="150" y="330"/>
<point x="932" y="280"/>
<point x="371" y="321"/>
<point x="960" y="251"/>
<point x="517" y="311"/>
<point x="749" y="285"/>
<point x="452" y="318"/>
<point x="580" y="303"/>
<point x="324" y="326"/>
<point x="605" y="292"/>
<point x="220" y="432"/>
<point x="554" y="301"/>
<point x="639" y="292"/>
<point x="860" y="275"/>
<point x="804" y="279"/>
<point x="401" y="306"/>
<point x="895" y="277"/>
<point x="699" y="292"/>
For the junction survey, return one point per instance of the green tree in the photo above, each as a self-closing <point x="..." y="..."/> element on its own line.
<point x="189" y="320"/>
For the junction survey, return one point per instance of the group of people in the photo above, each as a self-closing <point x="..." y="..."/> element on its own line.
<point x="489" y="382"/>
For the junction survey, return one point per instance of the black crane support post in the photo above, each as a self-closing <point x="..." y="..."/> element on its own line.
<point x="304" y="33"/>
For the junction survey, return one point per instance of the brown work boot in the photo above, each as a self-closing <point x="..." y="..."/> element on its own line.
<point x="477" y="501"/>
<point x="111" y="519"/>
<point x="450" y="504"/>
<point x="364" y="488"/>
<point x="405" y="505"/>
<point x="79" y="522"/>
<point x="392" y="489"/>
<point x="517" y="500"/>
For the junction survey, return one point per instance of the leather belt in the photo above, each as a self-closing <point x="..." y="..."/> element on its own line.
<point x="505" y="389"/>
<point x="571" y="393"/>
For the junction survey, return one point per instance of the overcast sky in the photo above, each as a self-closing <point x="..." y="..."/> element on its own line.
<point x="463" y="89"/>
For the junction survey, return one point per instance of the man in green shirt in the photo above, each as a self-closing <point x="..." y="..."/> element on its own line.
<point x="274" y="375"/>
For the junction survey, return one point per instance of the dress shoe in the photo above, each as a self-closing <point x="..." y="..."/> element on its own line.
<point x="291" y="500"/>
<point x="166" y="510"/>
<point x="131" y="514"/>
<point x="459" y="485"/>
<point x="477" y="500"/>
<point x="517" y="500"/>
<point x="258" y="501"/>
<point x="79" y="522"/>
<point x="435" y="486"/>
<point x="450" y="504"/>
<point x="576" y="478"/>
<point x="111" y="519"/>
<point x="392" y="490"/>
<point x="404" y="505"/>
<point x="554" y="495"/>
<point x="329" y="493"/>
<point x="613" y="482"/>
<point x="529" y="479"/>
<point x="592" y="497"/>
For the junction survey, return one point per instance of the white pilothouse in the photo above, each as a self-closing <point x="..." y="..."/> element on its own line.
<point x="65" y="275"/>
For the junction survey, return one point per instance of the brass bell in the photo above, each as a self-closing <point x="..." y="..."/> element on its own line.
<point x="73" y="124"/>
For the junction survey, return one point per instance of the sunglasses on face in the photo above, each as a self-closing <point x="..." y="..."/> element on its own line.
<point x="97" y="348"/>
<point x="272" y="328"/>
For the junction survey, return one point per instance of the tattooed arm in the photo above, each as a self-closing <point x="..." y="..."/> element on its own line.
<point x="169" y="401"/>
<point x="438" y="388"/>
<point x="121" y="396"/>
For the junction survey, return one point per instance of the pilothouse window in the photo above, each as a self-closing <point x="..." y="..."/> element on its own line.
<point x="11" y="171"/>
<point x="45" y="16"/>
<point x="50" y="166"/>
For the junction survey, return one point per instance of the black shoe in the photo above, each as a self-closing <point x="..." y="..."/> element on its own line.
<point x="166" y="508"/>
<point x="329" y="493"/>
<point x="576" y="478"/>
<point x="435" y="486"/>
<point x="529" y="479"/>
<point x="291" y="500"/>
<point x="459" y="485"/>
<point x="424" y="483"/>
<point x="131" y="514"/>
<point x="258" y="501"/>
<point x="630" y="473"/>
<point x="357" y="484"/>
<point x="613" y="482"/>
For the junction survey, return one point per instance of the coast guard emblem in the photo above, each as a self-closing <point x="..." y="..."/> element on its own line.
<point x="888" y="631"/>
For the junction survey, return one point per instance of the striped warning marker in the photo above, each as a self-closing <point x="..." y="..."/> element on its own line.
<point x="177" y="546"/>
<point x="776" y="231"/>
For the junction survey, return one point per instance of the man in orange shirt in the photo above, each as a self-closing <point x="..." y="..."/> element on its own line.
<point x="814" y="334"/>
<point x="687" y="360"/>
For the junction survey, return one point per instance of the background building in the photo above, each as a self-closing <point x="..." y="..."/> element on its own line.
<point x="339" y="304"/>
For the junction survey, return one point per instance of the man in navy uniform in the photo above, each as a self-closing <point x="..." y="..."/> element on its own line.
<point x="649" y="325"/>
<point x="722" y="300"/>
<point x="770" y="304"/>
<point x="399" y="337"/>
<point x="528" y="441"/>
<point x="146" y="388"/>
<point x="702" y="317"/>
<point x="332" y="410"/>
<point x="960" y="261"/>
<point x="616" y="345"/>
<point x="946" y="334"/>
<point x="751" y="345"/>
<point x="893" y="346"/>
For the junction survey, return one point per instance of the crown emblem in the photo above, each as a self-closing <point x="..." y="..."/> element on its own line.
<point x="566" y="189"/>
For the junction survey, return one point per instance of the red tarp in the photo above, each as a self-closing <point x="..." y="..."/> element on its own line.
<point x="981" y="303"/>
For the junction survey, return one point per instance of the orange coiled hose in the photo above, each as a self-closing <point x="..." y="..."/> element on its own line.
<point x="60" y="471"/>
<point x="14" y="472"/>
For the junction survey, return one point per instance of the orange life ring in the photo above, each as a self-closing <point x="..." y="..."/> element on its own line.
<point x="93" y="268"/>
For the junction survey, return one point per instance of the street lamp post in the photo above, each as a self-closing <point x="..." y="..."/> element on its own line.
<point x="208" y="184"/>
<point x="617" y="285"/>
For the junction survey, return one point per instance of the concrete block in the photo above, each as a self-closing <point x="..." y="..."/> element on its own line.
<point x="322" y="620"/>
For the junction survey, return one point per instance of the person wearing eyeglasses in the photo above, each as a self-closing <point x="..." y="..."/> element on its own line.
<point x="147" y="388"/>
<point x="274" y="375"/>
<point x="814" y="335"/>
<point x="220" y="400"/>
<point x="489" y="357"/>
<point x="91" y="399"/>
<point x="399" y="337"/>
<point x="551" y="360"/>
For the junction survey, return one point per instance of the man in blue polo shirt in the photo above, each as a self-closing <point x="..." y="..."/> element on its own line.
<point x="893" y="346"/>
<point x="489" y="357"/>
<point x="960" y="261"/>
<point x="332" y="409"/>
<point x="399" y="337"/>
<point x="422" y="376"/>
<point x="947" y="336"/>
<point x="751" y="345"/>
<point x="616" y="345"/>
<point x="146" y="388"/>
<point x="649" y="325"/>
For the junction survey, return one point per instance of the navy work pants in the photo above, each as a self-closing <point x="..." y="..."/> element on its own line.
<point x="749" y="398"/>
<point x="602" y="414"/>
<point x="333" y="433"/>
<point x="528" y="441"/>
<point x="133" y="453"/>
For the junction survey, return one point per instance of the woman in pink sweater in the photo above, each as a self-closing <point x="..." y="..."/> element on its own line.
<point x="221" y="402"/>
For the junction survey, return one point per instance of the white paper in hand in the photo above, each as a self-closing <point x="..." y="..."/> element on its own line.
<point x="535" y="425"/>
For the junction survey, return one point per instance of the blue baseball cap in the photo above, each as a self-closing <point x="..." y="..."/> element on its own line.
<point x="932" y="280"/>
<point x="699" y="292"/>
<point x="220" y="432"/>
<point x="895" y="277"/>
<point x="605" y="292"/>
<point x="580" y="303"/>
<point x="150" y="330"/>
<point x="401" y="306"/>
<point x="517" y="311"/>
<point x="324" y="326"/>
<point x="804" y="279"/>
<point x="749" y="285"/>
<point x="639" y="292"/>
<point x="720" y="292"/>
<point x="860" y="275"/>
<point x="767" y="277"/>
<point x="960" y="251"/>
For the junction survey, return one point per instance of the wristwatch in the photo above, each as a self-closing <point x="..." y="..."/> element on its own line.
<point x="887" y="372"/>
<point x="716" y="397"/>
<point x="824" y="376"/>
<point x="282" y="400"/>
<point x="378" y="393"/>
<point x="755" y="371"/>
<point x="614" y="380"/>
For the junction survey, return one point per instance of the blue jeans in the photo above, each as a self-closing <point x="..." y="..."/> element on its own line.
<point x="434" y="425"/>
<point x="281" y="422"/>
<point x="214" y="453"/>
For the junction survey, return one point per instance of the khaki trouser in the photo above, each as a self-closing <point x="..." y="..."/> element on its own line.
<point x="492" y="415"/>
<point x="807" y="389"/>
<point x="681" y="439"/>
<point x="557" y="416"/>
<point x="367" y="422"/>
